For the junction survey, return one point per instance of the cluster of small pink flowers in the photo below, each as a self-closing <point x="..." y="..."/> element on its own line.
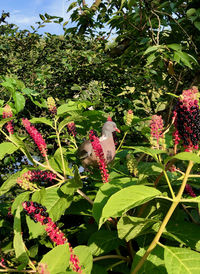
<point x="186" y="117"/>
<point x="100" y="155"/>
<point x="109" y="118"/>
<point x="157" y="136"/>
<point x="71" y="128"/>
<point x="38" y="213"/>
<point x="7" y="113"/>
<point x="129" y="117"/>
<point x="51" y="105"/>
<point x="36" y="136"/>
<point x="189" y="190"/>
<point x="35" y="176"/>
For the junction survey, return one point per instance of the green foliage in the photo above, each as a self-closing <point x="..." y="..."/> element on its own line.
<point x="154" y="55"/>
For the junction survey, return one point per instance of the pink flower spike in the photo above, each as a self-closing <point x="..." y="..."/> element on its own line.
<point x="7" y="113"/>
<point x="189" y="190"/>
<point x="100" y="155"/>
<point x="109" y="118"/>
<point x="156" y="126"/>
<point x="38" y="213"/>
<point x="36" y="136"/>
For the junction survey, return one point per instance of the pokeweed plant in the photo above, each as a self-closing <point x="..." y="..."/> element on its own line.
<point x="141" y="215"/>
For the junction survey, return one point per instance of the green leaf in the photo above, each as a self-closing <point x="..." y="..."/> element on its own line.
<point x="185" y="58"/>
<point x="72" y="6"/>
<point x="56" y="202"/>
<point x="181" y="260"/>
<point x="103" y="241"/>
<point x="18" y="142"/>
<point x="106" y="191"/>
<point x="19" y="247"/>
<point x="29" y="91"/>
<point x="190" y="12"/>
<point x="130" y="227"/>
<point x="127" y="198"/>
<point x="19" y="200"/>
<point x="150" y="59"/>
<point x="85" y="258"/>
<point x="42" y="120"/>
<point x="187" y="156"/>
<point x="19" y="101"/>
<point x="67" y="108"/>
<point x="153" y="48"/>
<point x="35" y="229"/>
<point x="182" y="233"/>
<point x="7" y="148"/>
<point x="153" y="264"/>
<point x="42" y="17"/>
<point x="176" y="47"/>
<point x="197" y="25"/>
<point x="9" y="183"/>
<point x="57" y="260"/>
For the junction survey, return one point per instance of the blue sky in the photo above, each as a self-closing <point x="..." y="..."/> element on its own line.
<point x="24" y="13"/>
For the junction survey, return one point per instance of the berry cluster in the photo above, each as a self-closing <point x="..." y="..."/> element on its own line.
<point x="36" y="136"/>
<point x="25" y="181"/>
<point x="38" y="213"/>
<point x="189" y="190"/>
<point x="41" y="176"/>
<point x="187" y="120"/>
<point x="7" y="113"/>
<point x="100" y="155"/>
<point x="51" y="105"/>
<point x="132" y="164"/>
<point x="71" y="128"/>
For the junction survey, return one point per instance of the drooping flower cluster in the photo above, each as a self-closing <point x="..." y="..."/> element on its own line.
<point x="186" y="117"/>
<point x="71" y="128"/>
<point x="189" y="190"/>
<point x="129" y="117"/>
<point x="39" y="176"/>
<point x="7" y="113"/>
<point x="38" y="213"/>
<point x="51" y="105"/>
<point x="157" y="138"/>
<point x="100" y="156"/>
<point x="36" y="136"/>
<point x="132" y="164"/>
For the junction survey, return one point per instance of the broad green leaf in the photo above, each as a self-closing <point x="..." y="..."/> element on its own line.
<point x="154" y="263"/>
<point x="42" y="120"/>
<point x="181" y="260"/>
<point x="147" y="150"/>
<point x="185" y="58"/>
<point x="19" y="101"/>
<point x="7" y="148"/>
<point x="85" y="258"/>
<point x="187" y="156"/>
<point x="35" y="229"/>
<point x="19" y="247"/>
<point x="57" y="259"/>
<point x="56" y="202"/>
<point x="176" y="47"/>
<point x="130" y="227"/>
<point x="150" y="59"/>
<point x="9" y="183"/>
<point x="67" y="108"/>
<point x="182" y="232"/>
<point x="153" y="48"/>
<point x="127" y="198"/>
<point x="106" y="191"/>
<point x="103" y="241"/>
<point x="19" y="200"/>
